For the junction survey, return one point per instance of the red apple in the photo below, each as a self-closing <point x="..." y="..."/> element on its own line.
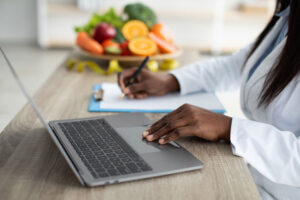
<point x="104" y="31"/>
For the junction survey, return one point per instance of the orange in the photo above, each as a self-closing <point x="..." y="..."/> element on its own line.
<point x="142" y="46"/>
<point x="134" y="28"/>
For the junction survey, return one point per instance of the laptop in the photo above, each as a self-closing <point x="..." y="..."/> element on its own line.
<point x="110" y="149"/>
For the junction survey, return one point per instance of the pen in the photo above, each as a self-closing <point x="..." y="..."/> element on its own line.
<point x="136" y="73"/>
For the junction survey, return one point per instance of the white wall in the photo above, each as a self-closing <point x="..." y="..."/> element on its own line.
<point x="18" y="20"/>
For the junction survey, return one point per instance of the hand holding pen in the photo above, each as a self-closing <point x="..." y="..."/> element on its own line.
<point x="135" y="74"/>
<point x="143" y="83"/>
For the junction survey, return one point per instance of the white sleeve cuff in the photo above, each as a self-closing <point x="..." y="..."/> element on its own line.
<point x="187" y="84"/>
<point x="234" y="136"/>
<point x="182" y="88"/>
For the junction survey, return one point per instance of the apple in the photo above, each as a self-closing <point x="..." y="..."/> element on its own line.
<point x="104" y="31"/>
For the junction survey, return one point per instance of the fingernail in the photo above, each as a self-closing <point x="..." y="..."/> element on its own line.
<point x="161" y="141"/>
<point x="149" y="137"/>
<point x="145" y="133"/>
<point x="126" y="90"/>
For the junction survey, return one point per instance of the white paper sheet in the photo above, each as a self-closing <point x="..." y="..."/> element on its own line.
<point x="165" y="103"/>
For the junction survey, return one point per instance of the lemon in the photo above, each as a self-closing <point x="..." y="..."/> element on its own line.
<point x="169" y="64"/>
<point x="153" y="65"/>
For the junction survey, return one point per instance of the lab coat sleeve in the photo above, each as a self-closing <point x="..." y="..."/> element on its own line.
<point x="219" y="74"/>
<point x="274" y="153"/>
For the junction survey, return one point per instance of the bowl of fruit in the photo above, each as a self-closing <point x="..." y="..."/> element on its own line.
<point x="127" y="37"/>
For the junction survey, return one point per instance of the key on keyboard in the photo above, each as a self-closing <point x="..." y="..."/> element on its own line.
<point x="101" y="149"/>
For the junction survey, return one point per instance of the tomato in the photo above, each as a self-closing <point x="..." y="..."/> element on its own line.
<point x="125" y="49"/>
<point x="110" y="43"/>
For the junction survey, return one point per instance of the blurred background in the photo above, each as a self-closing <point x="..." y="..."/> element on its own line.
<point x="39" y="34"/>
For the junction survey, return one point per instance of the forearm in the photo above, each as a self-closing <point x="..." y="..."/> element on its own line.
<point x="172" y="84"/>
<point x="219" y="74"/>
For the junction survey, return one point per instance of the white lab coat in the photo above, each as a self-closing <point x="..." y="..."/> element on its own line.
<point x="269" y="139"/>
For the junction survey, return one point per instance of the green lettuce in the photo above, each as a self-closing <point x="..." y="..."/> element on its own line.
<point x="110" y="17"/>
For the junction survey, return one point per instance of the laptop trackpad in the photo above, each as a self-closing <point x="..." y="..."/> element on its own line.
<point x="133" y="136"/>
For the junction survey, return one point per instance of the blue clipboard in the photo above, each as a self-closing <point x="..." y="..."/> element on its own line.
<point x="95" y="106"/>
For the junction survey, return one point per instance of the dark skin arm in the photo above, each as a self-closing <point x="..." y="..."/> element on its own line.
<point x="186" y="120"/>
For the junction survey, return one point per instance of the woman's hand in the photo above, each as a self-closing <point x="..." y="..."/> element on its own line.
<point x="147" y="84"/>
<point x="190" y="120"/>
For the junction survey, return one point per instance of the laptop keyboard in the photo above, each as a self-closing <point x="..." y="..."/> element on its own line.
<point x="101" y="149"/>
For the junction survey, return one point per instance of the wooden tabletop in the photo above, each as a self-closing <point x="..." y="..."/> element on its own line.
<point x="31" y="166"/>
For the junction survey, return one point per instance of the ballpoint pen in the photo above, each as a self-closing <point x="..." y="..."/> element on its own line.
<point x="135" y="75"/>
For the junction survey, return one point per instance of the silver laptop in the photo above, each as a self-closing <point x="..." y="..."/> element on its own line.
<point x="110" y="149"/>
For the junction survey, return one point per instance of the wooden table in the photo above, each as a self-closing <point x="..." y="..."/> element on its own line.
<point x="31" y="167"/>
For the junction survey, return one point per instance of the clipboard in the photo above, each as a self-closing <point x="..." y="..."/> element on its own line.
<point x="96" y="106"/>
